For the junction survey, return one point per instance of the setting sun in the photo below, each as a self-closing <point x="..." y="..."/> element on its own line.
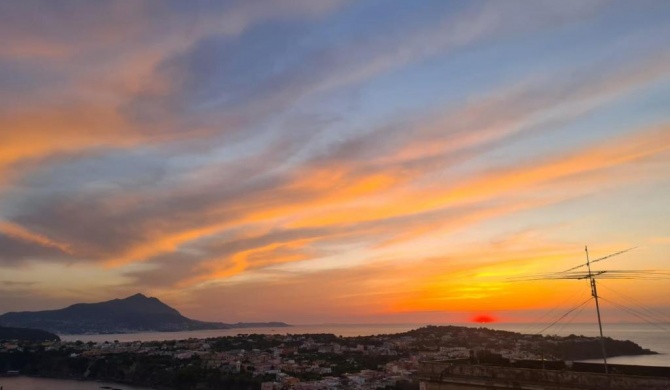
<point x="483" y="319"/>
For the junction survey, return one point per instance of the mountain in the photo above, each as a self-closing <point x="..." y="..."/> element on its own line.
<point x="25" y="334"/>
<point x="136" y="313"/>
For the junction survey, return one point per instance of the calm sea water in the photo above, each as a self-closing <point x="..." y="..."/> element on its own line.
<point x="647" y="336"/>
<point x="23" y="383"/>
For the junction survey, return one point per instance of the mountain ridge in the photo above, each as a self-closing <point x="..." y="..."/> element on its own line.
<point x="136" y="313"/>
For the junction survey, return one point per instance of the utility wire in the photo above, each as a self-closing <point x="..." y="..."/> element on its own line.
<point x="653" y="314"/>
<point x="570" y="319"/>
<point x="564" y="315"/>
<point x="578" y="293"/>
<point x="635" y="313"/>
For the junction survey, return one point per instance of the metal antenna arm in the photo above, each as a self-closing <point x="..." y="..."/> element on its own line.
<point x="594" y="292"/>
<point x="599" y="259"/>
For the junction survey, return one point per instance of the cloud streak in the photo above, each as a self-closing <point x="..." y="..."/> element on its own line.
<point x="387" y="154"/>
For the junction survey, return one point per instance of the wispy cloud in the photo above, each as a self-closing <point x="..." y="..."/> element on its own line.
<point x="332" y="146"/>
<point x="18" y="232"/>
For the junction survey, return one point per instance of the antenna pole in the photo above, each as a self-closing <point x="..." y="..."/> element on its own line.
<point x="594" y="292"/>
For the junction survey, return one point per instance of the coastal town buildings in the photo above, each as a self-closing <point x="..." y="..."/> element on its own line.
<point x="311" y="361"/>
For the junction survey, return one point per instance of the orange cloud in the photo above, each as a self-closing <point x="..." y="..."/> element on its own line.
<point x="336" y="201"/>
<point x="162" y="243"/>
<point x="271" y="254"/>
<point x="21" y="233"/>
<point x="35" y="134"/>
<point x="628" y="149"/>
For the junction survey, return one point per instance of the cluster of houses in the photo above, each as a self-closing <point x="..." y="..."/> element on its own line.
<point x="286" y="365"/>
<point x="311" y="362"/>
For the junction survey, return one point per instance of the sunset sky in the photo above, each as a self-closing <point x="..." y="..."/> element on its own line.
<point x="333" y="161"/>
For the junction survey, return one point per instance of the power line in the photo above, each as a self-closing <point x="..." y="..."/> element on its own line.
<point x="653" y="314"/>
<point x="564" y="315"/>
<point x="635" y="313"/>
<point x="549" y="314"/>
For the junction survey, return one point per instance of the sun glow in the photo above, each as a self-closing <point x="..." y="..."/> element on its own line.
<point x="483" y="319"/>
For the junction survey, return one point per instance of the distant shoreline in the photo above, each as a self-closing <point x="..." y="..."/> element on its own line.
<point x="103" y="383"/>
<point x="244" y="325"/>
<point x="102" y="361"/>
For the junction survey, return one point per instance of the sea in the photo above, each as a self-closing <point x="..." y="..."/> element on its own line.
<point x="648" y="336"/>
<point x="26" y="383"/>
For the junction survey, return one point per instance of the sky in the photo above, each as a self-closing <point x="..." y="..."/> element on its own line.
<point x="334" y="161"/>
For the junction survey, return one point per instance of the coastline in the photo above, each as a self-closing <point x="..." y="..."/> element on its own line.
<point x="161" y="365"/>
<point x="641" y="334"/>
<point x="67" y="383"/>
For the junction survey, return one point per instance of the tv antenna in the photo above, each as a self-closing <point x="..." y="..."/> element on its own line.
<point x="576" y="273"/>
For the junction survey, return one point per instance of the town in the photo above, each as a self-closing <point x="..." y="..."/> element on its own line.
<point x="289" y="361"/>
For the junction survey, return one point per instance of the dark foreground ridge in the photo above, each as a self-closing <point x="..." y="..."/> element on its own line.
<point x="26" y="334"/>
<point x="442" y="375"/>
<point x="302" y="361"/>
<point x="136" y="313"/>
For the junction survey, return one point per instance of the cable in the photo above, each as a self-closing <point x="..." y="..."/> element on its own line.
<point x="570" y="319"/>
<point x="634" y="313"/>
<point x="563" y="316"/>
<point x="548" y="314"/>
<point x="653" y="314"/>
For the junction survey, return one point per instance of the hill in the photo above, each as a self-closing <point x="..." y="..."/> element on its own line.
<point x="136" y="313"/>
<point x="26" y="334"/>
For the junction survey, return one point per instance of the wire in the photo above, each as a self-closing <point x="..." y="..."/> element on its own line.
<point x="653" y="314"/>
<point x="634" y="313"/>
<point x="570" y="319"/>
<point x="564" y="315"/>
<point x="539" y="321"/>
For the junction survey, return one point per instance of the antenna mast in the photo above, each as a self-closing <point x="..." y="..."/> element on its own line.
<point x="575" y="274"/>
<point x="594" y="292"/>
